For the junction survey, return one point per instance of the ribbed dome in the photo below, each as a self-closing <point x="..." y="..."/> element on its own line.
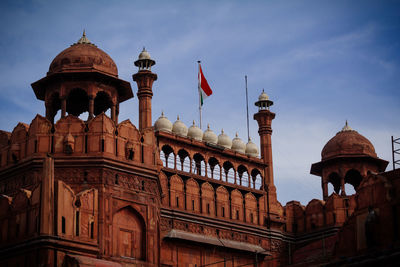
<point x="83" y="56"/>
<point x="348" y="142"/>
<point x="195" y="132"/>
<point x="238" y="145"/>
<point x="209" y="136"/>
<point x="224" y="140"/>
<point x="251" y="149"/>
<point x="179" y="128"/>
<point x="163" y="124"/>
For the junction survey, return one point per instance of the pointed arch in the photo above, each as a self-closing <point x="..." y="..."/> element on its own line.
<point x="251" y="208"/>
<point x="208" y="199"/>
<point x="177" y="192"/>
<point x="183" y="160"/>
<point x="229" y="172"/>
<point x="212" y="172"/>
<point x="129" y="234"/>
<point x="167" y="156"/>
<point x="199" y="167"/>
<point x="222" y="202"/>
<point x="192" y="195"/>
<point x="243" y="176"/>
<point x="237" y="205"/>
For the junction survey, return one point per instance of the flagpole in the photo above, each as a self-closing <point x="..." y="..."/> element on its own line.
<point x="198" y="88"/>
<point x="247" y="110"/>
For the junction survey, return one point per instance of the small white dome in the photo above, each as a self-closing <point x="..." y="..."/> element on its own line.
<point x="163" y="124"/>
<point x="179" y="128"/>
<point x="224" y="140"/>
<point x="144" y="54"/>
<point x="263" y="96"/>
<point x="209" y="136"/>
<point x="251" y="149"/>
<point x="195" y="132"/>
<point x="238" y="145"/>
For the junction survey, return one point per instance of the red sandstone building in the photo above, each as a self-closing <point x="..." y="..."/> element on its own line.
<point x="100" y="192"/>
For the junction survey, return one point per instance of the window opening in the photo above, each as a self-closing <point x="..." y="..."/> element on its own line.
<point x="63" y="224"/>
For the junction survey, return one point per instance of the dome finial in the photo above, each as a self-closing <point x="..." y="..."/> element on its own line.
<point x="84" y="39"/>
<point x="346" y="127"/>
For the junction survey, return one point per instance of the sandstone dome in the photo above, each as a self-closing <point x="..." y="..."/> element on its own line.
<point x="83" y="56"/>
<point x="348" y="142"/>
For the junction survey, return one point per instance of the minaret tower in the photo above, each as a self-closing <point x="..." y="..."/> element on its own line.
<point x="144" y="79"/>
<point x="264" y="118"/>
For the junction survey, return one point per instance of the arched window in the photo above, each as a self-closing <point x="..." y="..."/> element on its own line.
<point x="211" y="170"/>
<point x="229" y="172"/>
<point x="354" y="178"/>
<point x="183" y="160"/>
<point x="77" y="102"/>
<point x="334" y="179"/>
<point x="256" y="179"/>
<point x="199" y="165"/>
<point x="243" y="176"/>
<point x="167" y="156"/>
<point x="102" y="103"/>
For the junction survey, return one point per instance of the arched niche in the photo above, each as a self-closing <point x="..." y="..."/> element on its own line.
<point x="129" y="234"/>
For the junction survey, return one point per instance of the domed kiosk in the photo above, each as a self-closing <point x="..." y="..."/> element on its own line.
<point x="82" y="78"/>
<point x="346" y="159"/>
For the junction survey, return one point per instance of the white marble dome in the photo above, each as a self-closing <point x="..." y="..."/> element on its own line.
<point x="195" y="132"/>
<point x="144" y="54"/>
<point x="238" y="145"/>
<point x="209" y="136"/>
<point x="224" y="140"/>
<point x="251" y="149"/>
<point x="179" y="128"/>
<point x="263" y="96"/>
<point x="163" y="124"/>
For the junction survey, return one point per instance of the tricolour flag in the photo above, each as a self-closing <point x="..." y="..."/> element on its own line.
<point x="204" y="89"/>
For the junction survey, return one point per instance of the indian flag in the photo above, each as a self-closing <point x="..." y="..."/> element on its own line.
<point x="204" y="89"/>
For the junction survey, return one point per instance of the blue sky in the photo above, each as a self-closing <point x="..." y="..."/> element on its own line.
<point x="321" y="62"/>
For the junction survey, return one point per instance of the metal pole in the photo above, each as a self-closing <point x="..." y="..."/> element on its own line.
<point x="199" y="89"/>
<point x="393" y="152"/>
<point x="247" y="110"/>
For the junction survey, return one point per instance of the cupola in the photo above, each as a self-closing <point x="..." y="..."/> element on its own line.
<point x="238" y="145"/>
<point x="209" y="136"/>
<point x="179" y="128"/>
<point x="195" y="132"/>
<point x="224" y="140"/>
<point x="251" y="149"/>
<point x="163" y="124"/>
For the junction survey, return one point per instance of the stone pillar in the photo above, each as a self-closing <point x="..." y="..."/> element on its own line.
<point x="264" y="119"/>
<point x="63" y="107"/>
<point x="47" y="198"/>
<point x="91" y="107"/>
<point x="324" y="189"/>
<point x="113" y="114"/>
<point x="144" y="80"/>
